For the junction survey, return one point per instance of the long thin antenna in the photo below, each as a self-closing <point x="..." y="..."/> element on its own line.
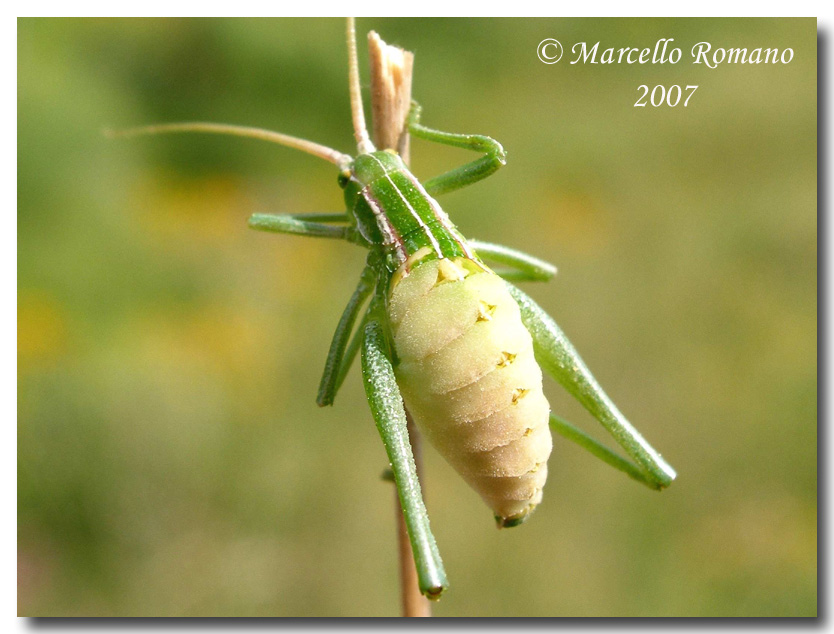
<point x="360" y="130"/>
<point x="328" y="154"/>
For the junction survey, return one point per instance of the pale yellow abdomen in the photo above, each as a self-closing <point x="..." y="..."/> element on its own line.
<point x="469" y="378"/>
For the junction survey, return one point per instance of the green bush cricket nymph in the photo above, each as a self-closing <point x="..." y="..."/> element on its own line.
<point x="445" y="335"/>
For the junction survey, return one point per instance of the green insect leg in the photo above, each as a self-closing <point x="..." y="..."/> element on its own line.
<point x="574" y="434"/>
<point x="388" y="412"/>
<point x="466" y="174"/>
<point x="558" y="357"/>
<point x="335" y="217"/>
<point x="352" y="350"/>
<point x="314" y="225"/>
<point x="333" y="366"/>
<point x="525" y="267"/>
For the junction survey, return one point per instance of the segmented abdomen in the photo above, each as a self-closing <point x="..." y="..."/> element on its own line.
<point x="469" y="378"/>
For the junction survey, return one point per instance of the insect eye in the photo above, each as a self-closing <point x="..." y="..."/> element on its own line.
<point x="344" y="178"/>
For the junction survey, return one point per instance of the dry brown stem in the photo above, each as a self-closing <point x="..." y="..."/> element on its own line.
<point x="391" y="73"/>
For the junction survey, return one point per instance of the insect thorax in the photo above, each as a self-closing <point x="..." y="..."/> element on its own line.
<point x="395" y="213"/>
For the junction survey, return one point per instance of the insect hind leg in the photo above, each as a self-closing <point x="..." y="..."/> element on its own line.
<point x="389" y="414"/>
<point x="559" y="358"/>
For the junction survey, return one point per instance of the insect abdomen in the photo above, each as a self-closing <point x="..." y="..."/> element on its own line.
<point x="469" y="378"/>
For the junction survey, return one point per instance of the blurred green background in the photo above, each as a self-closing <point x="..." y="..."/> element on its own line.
<point x="172" y="460"/>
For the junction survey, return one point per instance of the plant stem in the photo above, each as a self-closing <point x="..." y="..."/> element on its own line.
<point x="391" y="73"/>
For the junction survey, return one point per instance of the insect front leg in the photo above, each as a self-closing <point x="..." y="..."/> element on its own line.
<point x="466" y="174"/>
<point x="389" y="414"/>
<point x="314" y="225"/>
<point x="333" y="367"/>
<point x="558" y="357"/>
<point x="525" y="267"/>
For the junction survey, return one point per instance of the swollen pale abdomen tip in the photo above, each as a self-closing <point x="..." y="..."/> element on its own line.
<point x="468" y="375"/>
